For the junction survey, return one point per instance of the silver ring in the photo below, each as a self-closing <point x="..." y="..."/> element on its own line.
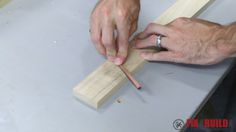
<point x="159" y="37"/>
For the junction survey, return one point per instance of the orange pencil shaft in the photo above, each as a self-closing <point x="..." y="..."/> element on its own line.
<point x="130" y="77"/>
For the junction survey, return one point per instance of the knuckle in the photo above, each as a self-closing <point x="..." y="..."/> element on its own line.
<point x="102" y="11"/>
<point x="101" y="51"/>
<point x="122" y="14"/>
<point x="181" y="20"/>
<point x="93" y="17"/>
<point x="106" y="12"/>
<point x="107" y="43"/>
<point x="96" y="39"/>
<point x="95" y="13"/>
<point x="150" y="26"/>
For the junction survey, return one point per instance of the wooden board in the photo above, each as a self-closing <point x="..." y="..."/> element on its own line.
<point x="108" y="78"/>
<point x="3" y="3"/>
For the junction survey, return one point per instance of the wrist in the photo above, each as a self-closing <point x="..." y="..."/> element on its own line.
<point x="226" y="40"/>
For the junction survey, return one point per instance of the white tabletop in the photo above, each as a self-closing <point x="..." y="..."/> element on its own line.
<point x="45" y="50"/>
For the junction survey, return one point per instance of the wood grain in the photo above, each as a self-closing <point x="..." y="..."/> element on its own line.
<point x="108" y="78"/>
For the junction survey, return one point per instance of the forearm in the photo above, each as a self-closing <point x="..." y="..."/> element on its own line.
<point x="229" y="39"/>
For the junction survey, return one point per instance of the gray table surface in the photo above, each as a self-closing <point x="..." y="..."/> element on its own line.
<point x="45" y="50"/>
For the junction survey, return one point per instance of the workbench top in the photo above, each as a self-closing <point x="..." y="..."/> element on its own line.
<point x="45" y="50"/>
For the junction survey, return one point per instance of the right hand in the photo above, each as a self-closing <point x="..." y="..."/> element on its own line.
<point x="188" y="41"/>
<point x="108" y="17"/>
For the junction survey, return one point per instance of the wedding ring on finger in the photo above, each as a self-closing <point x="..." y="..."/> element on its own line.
<point x="158" y="42"/>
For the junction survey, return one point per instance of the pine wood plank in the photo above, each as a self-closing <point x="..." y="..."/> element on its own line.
<point x="3" y="3"/>
<point x="108" y="78"/>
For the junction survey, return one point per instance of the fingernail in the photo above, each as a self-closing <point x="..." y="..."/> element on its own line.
<point x="119" y="61"/>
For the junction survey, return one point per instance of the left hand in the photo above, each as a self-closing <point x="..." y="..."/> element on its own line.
<point x="189" y="41"/>
<point x="112" y="23"/>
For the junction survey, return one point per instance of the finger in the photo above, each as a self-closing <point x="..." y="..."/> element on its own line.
<point x="123" y="32"/>
<point x="133" y="28"/>
<point x="96" y="34"/>
<point x="131" y="33"/>
<point x="151" y="41"/>
<point x="135" y="38"/>
<point x="154" y="29"/>
<point x="108" y="42"/>
<point x="166" y="56"/>
<point x="145" y="43"/>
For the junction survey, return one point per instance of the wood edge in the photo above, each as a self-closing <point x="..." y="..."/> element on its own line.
<point x="93" y="103"/>
<point x="207" y="3"/>
<point x="111" y="92"/>
<point x="97" y="104"/>
<point x="84" y="99"/>
<point x="204" y="8"/>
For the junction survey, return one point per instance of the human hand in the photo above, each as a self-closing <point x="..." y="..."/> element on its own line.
<point x="112" y="23"/>
<point x="189" y="41"/>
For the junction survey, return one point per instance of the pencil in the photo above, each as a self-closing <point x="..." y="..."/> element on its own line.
<point x="131" y="78"/>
